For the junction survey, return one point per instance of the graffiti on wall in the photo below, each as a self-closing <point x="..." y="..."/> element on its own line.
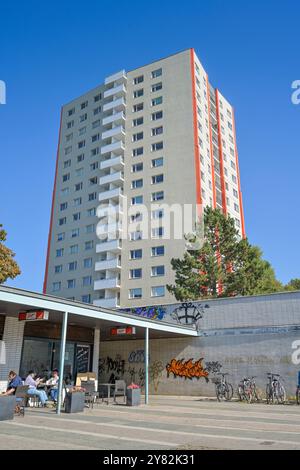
<point x="213" y="367"/>
<point x="137" y="356"/>
<point x="188" y="313"/>
<point x="155" y="373"/>
<point x="187" y="369"/>
<point x="108" y="364"/>
<point x="153" y="313"/>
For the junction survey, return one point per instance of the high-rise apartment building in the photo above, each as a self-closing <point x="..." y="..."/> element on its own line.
<point x="141" y="142"/>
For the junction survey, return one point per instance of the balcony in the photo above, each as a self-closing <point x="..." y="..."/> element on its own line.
<point x="118" y="90"/>
<point x="112" y="246"/>
<point x="116" y="77"/>
<point x="114" y="147"/>
<point x="113" y="263"/>
<point x="113" y="118"/>
<point x="117" y="177"/>
<point x="110" y="283"/>
<point x="116" y="162"/>
<point x="115" y="193"/>
<point x="118" y="105"/>
<point x="109" y="302"/>
<point x="117" y="132"/>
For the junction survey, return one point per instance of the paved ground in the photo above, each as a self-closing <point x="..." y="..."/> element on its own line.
<point x="166" y="423"/>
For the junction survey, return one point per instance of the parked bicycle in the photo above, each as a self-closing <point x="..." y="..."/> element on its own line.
<point x="224" y="389"/>
<point x="247" y="390"/>
<point x="275" y="391"/>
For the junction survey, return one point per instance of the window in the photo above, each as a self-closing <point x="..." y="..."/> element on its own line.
<point x="138" y="121"/>
<point x="92" y="196"/>
<point x="138" y="217"/>
<point x="138" y="80"/>
<point x="95" y="137"/>
<point x="157" y="101"/>
<point x="157" y="130"/>
<point x="94" y="152"/>
<point x="83" y="105"/>
<point x="236" y="208"/>
<point x="138" y="136"/>
<point x="157" y="179"/>
<point x="156" y="73"/>
<point x="70" y="124"/>
<point x="235" y="193"/>
<point x="138" y="107"/>
<point x="82" y="130"/>
<point x="97" y="110"/>
<point x="135" y="293"/>
<point x="56" y="286"/>
<point x="157" y="271"/>
<point x="91" y="212"/>
<point x="90" y="228"/>
<point x="75" y="233"/>
<point x="86" y="281"/>
<point x="157" y="115"/>
<point x="93" y="181"/>
<point x="237" y="223"/>
<point x="77" y="201"/>
<point x="58" y="269"/>
<point x="66" y="177"/>
<point x="157" y="232"/>
<point x="135" y="273"/>
<point x="136" y="200"/>
<point x="67" y="163"/>
<point x="157" y="146"/>
<point x="157" y="214"/>
<point x="71" y="111"/>
<point x="137" y="184"/>
<point x="78" y="186"/>
<point x="135" y="236"/>
<point x="137" y="167"/>
<point x="83" y="117"/>
<point x="138" y="151"/>
<point x="89" y="245"/>
<point x="63" y="206"/>
<point x="97" y="97"/>
<point x="156" y="87"/>
<point x="158" y="251"/>
<point x="234" y="179"/>
<point x="232" y="164"/>
<point x="80" y="158"/>
<point x="59" y="253"/>
<point x="73" y="249"/>
<point x="76" y="216"/>
<point x="86" y="298"/>
<point x="72" y="266"/>
<point x="93" y="166"/>
<point x="71" y="283"/>
<point x="138" y="93"/>
<point x="87" y="262"/>
<point x="60" y="236"/>
<point x="96" y="124"/>
<point x="156" y="162"/>
<point x="158" y="291"/>
<point x="81" y="144"/>
<point x="79" y="172"/>
<point x="136" y="254"/>
<point x="62" y="221"/>
<point x="158" y="196"/>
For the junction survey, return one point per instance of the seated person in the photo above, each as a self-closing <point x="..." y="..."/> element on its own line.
<point x="33" y="390"/>
<point x="53" y="382"/>
<point x="14" y="381"/>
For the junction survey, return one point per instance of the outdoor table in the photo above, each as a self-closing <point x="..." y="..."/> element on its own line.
<point x="109" y="386"/>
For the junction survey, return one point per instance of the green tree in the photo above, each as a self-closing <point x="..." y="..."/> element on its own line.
<point x="8" y="266"/>
<point x="294" y="284"/>
<point x="223" y="265"/>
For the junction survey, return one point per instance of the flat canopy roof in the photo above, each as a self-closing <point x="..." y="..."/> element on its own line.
<point x="13" y="300"/>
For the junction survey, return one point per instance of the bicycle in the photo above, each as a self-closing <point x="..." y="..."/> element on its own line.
<point x="247" y="390"/>
<point x="224" y="389"/>
<point x="275" y="391"/>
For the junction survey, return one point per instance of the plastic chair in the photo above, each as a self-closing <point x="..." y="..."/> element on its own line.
<point x="120" y="390"/>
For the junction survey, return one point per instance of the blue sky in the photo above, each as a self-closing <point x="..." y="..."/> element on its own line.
<point x="51" y="52"/>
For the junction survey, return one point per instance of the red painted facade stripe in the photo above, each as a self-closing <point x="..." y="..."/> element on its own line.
<point x="224" y="205"/>
<point x="52" y="210"/>
<point x="196" y="134"/>
<point x="238" y="177"/>
<point x="211" y="146"/>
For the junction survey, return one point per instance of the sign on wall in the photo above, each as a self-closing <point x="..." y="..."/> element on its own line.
<point x="128" y="330"/>
<point x="32" y="316"/>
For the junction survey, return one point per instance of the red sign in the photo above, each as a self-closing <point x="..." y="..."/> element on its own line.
<point x="31" y="316"/>
<point x="128" y="330"/>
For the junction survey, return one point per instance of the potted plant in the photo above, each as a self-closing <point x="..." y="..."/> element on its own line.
<point x="74" y="400"/>
<point x="133" y="395"/>
<point x="7" y="407"/>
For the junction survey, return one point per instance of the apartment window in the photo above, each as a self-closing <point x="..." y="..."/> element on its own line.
<point x="78" y="186"/>
<point x="138" y="151"/>
<point x="157" y="146"/>
<point x="75" y="233"/>
<point x="135" y="273"/>
<point x="86" y="281"/>
<point x="83" y="117"/>
<point x="156" y="87"/>
<point x="81" y="144"/>
<point x="156" y="116"/>
<point x="73" y="249"/>
<point x="67" y="163"/>
<point x="70" y="124"/>
<point x="232" y="164"/>
<point x="138" y="121"/>
<point x="87" y="262"/>
<point x="80" y="158"/>
<point x="158" y="251"/>
<point x="136" y="200"/>
<point x="91" y="212"/>
<point x="135" y="293"/>
<point x="158" y="196"/>
<point x="237" y="223"/>
<point x="157" y="130"/>
<point x="63" y="206"/>
<point x="157" y="214"/>
<point x="157" y="232"/>
<point x="135" y="184"/>
<point x="136" y="254"/>
<point x="138" y="217"/>
<point x="77" y="201"/>
<point x="234" y="179"/>
<point x="93" y="181"/>
<point x="97" y="97"/>
<point x="236" y="208"/>
<point x="76" y="216"/>
<point x="94" y="166"/>
<point x="79" y="172"/>
<point x="94" y="152"/>
<point x="156" y="179"/>
<point x="86" y="298"/>
<point x="83" y="105"/>
<point x="58" y="269"/>
<point x="56" y="286"/>
<point x="89" y="245"/>
<point x="95" y="137"/>
<point x="82" y="130"/>
<point x="97" y="110"/>
<point x="158" y="291"/>
<point x="235" y="193"/>
<point x="137" y="167"/>
<point x="71" y="111"/>
<point x="62" y="221"/>
<point x="66" y="177"/>
<point x="135" y="236"/>
<point x="72" y="266"/>
<point x="138" y="80"/>
<point x="90" y="228"/>
<point x="60" y="236"/>
<point x="138" y="136"/>
<point x="59" y="253"/>
<point x="71" y="283"/>
<point x="138" y="107"/>
<point x="96" y="124"/>
<point x="230" y="125"/>
<point x="138" y="93"/>
<point x="157" y="271"/>
<point x="157" y="101"/>
<point x="156" y="162"/>
<point x="92" y="196"/>
<point x="156" y="73"/>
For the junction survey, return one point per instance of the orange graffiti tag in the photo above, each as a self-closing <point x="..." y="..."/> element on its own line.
<point x="187" y="369"/>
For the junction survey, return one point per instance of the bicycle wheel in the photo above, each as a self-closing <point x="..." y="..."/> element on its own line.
<point x="269" y="394"/>
<point x="228" y="392"/>
<point x="281" y="394"/>
<point x="298" y="395"/>
<point x="220" y="392"/>
<point x="240" y="393"/>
